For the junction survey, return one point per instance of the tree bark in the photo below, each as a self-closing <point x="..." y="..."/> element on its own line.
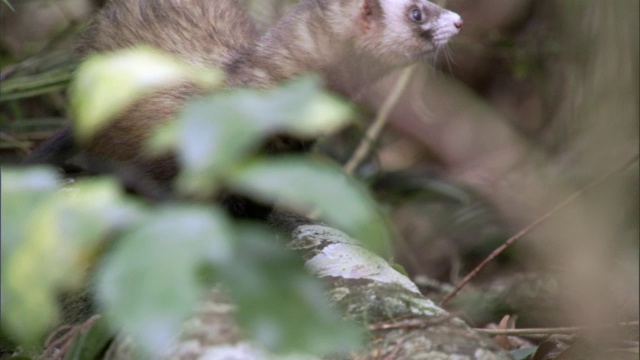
<point x="403" y="323"/>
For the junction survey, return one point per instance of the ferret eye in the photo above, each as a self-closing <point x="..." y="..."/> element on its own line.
<point x="415" y="14"/>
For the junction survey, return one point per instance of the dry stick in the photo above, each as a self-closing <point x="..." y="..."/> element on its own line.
<point x="531" y="226"/>
<point x="373" y="132"/>
<point x="552" y="331"/>
<point x="56" y="348"/>
<point x="413" y="323"/>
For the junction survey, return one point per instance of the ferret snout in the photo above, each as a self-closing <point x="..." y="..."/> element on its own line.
<point x="447" y="26"/>
<point x="451" y="18"/>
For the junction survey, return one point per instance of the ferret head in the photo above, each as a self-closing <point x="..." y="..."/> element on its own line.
<point x="359" y="39"/>
<point x="404" y="31"/>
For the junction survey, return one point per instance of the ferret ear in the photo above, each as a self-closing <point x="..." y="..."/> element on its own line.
<point x="370" y="13"/>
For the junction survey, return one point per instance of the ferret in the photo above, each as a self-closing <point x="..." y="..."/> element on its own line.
<point x="349" y="43"/>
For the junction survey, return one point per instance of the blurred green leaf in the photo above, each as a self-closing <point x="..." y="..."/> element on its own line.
<point x="59" y="238"/>
<point x="106" y="84"/>
<point x="304" y="183"/>
<point x="280" y="304"/>
<point x="300" y="108"/>
<point x="213" y="134"/>
<point x="149" y="284"/>
<point x="22" y="190"/>
<point x="92" y="342"/>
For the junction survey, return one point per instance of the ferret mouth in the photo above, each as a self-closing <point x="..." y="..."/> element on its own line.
<point x="436" y="38"/>
<point x="441" y="37"/>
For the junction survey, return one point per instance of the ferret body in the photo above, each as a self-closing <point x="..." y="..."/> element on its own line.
<point x="350" y="43"/>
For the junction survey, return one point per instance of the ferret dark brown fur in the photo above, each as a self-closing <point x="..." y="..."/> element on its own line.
<point x="350" y="43"/>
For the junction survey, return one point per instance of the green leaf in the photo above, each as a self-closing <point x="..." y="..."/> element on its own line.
<point x="59" y="239"/>
<point x="212" y="136"/>
<point x="300" y="108"/>
<point x="280" y="305"/>
<point x="106" y="84"/>
<point x="22" y="190"/>
<point x="149" y="284"/>
<point x="304" y="183"/>
<point x="91" y="343"/>
<point x="215" y="133"/>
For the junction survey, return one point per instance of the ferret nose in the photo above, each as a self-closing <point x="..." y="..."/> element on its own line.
<point x="458" y="23"/>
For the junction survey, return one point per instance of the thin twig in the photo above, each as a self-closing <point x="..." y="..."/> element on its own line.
<point x="553" y="331"/>
<point x="394" y="352"/>
<point x="60" y="341"/>
<point x="373" y="132"/>
<point x="413" y="323"/>
<point x="532" y="226"/>
<point x="57" y="340"/>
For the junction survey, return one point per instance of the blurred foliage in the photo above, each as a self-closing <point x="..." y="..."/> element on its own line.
<point x="50" y="238"/>
<point x="531" y="67"/>
<point x="150" y="258"/>
<point x="117" y="81"/>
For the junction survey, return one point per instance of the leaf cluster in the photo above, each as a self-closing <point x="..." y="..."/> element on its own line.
<point x="147" y="261"/>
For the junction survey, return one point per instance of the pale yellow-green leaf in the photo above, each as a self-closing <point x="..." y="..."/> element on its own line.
<point x="163" y="139"/>
<point x="61" y="237"/>
<point x="302" y="183"/>
<point x="106" y="84"/>
<point x="324" y="114"/>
